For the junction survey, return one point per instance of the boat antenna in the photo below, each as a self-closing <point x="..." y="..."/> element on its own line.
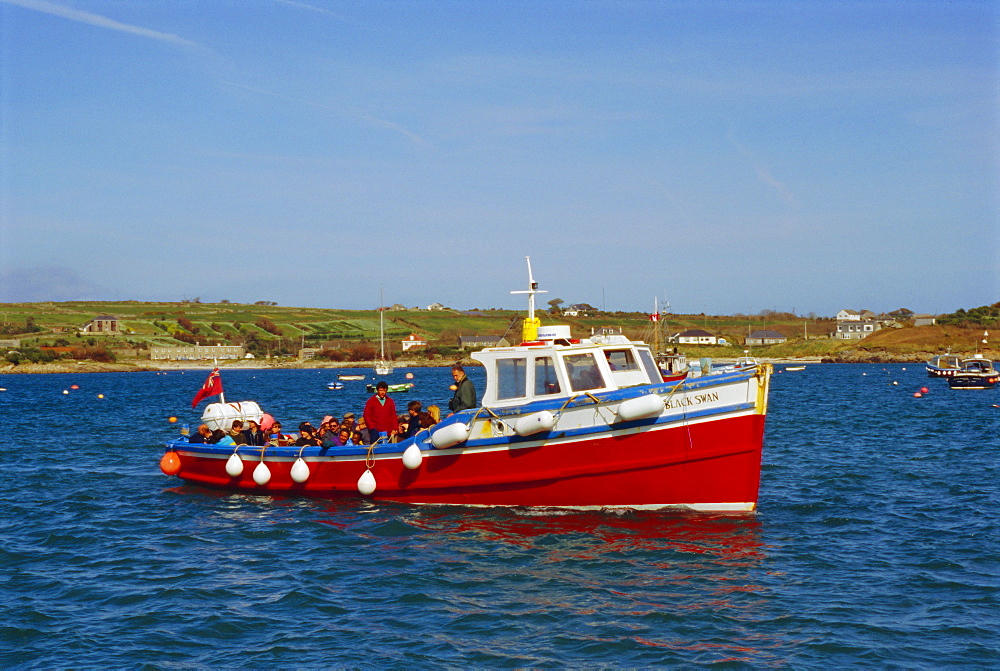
<point x="529" y="331"/>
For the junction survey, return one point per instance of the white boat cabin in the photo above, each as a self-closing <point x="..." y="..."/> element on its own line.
<point x="556" y="365"/>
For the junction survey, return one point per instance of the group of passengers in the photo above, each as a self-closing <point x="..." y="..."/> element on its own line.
<point x="332" y="432"/>
<point x="379" y="422"/>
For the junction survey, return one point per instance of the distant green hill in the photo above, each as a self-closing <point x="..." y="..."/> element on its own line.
<point x="271" y="329"/>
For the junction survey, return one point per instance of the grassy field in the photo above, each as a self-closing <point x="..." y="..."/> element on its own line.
<point x="147" y="324"/>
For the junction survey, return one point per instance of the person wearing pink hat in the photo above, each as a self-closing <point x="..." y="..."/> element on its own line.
<point x="328" y="431"/>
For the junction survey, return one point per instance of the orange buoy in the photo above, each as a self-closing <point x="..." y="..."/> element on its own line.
<point x="170" y="463"/>
<point x="171" y="419"/>
<point x="74" y="386"/>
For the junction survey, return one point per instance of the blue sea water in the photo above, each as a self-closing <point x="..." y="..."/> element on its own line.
<point x="876" y="544"/>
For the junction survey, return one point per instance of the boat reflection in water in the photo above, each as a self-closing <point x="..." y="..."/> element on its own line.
<point x="593" y="569"/>
<point x="592" y="534"/>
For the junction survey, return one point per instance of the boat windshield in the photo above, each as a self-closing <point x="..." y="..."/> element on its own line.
<point x="652" y="370"/>
<point x="511" y="378"/>
<point x="546" y="378"/>
<point x="582" y="372"/>
<point x="621" y="359"/>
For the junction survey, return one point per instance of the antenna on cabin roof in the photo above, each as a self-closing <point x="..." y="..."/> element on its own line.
<point x="529" y="331"/>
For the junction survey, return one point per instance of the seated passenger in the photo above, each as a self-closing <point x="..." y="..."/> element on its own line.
<point x="413" y="409"/>
<point x="276" y="437"/>
<point x="348" y="420"/>
<point x="345" y="436"/>
<point x="202" y="435"/>
<point x="328" y="431"/>
<point x="224" y="438"/>
<point x="254" y="436"/>
<point x="363" y="433"/>
<point x="307" y="438"/>
<point x="426" y="420"/>
<point x="236" y="433"/>
<point x="216" y="436"/>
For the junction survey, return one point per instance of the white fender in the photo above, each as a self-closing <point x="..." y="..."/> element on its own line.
<point x="366" y="483"/>
<point x="262" y="474"/>
<point x="300" y="470"/>
<point x="640" y="407"/>
<point x="453" y="434"/>
<point x="234" y="467"/>
<point x="412" y="457"/>
<point x="535" y="423"/>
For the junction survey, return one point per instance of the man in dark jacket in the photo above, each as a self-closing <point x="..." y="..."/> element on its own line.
<point x="465" y="391"/>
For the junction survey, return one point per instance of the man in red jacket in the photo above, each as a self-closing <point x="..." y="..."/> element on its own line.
<point x="380" y="414"/>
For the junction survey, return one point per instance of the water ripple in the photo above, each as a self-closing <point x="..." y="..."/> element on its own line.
<point x="875" y="546"/>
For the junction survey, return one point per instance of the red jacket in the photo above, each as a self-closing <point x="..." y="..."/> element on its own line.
<point x="380" y="417"/>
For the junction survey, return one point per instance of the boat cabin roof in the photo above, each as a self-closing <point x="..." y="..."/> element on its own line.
<point x="563" y="367"/>
<point x="977" y="364"/>
<point x="945" y="361"/>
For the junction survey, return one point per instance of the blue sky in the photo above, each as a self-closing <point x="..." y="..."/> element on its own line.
<point x="727" y="157"/>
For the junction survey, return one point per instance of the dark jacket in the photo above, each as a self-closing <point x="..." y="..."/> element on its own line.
<point x="465" y="396"/>
<point x="412" y="426"/>
<point x="255" y="438"/>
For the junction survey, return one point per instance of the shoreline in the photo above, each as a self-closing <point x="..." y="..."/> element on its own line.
<point x="145" y="366"/>
<point x="139" y="366"/>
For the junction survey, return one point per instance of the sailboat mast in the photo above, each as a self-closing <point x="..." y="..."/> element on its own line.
<point x="381" y="324"/>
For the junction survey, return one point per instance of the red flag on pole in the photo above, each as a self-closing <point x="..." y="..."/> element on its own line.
<point x="212" y="386"/>
<point x="655" y="317"/>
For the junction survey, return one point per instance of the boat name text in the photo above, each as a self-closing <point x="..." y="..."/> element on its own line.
<point x="697" y="399"/>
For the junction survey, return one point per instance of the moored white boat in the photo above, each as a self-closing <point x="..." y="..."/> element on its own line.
<point x="382" y="365"/>
<point x="564" y="422"/>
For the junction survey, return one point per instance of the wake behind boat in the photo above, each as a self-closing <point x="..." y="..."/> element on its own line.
<point x="564" y="422"/>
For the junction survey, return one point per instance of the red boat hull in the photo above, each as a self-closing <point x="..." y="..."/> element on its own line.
<point x="707" y="465"/>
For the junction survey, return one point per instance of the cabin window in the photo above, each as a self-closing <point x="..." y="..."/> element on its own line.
<point x="621" y="359"/>
<point x="511" y="378"/>
<point x="652" y="370"/>
<point x="583" y="373"/>
<point x="546" y="379"/>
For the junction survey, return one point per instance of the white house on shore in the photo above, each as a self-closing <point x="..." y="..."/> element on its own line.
<point x="414" y="341"/>
<point x="855" y="325"/>
<point x="856" y="330"/>
<point x="101" y="324"/>
<point x="197" y="352"/>
<point x="694" y="337"/>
